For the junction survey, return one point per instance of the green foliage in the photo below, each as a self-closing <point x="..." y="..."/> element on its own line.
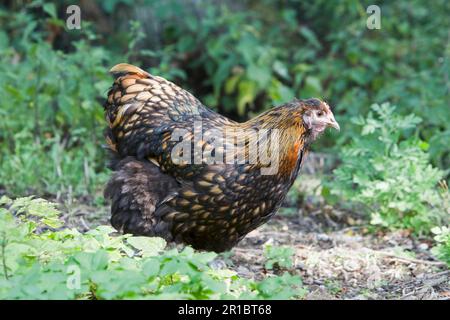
<point x="279" y="257"/>
<point x="333" y="286"/>
<point x="391" y="178"/>
<point x="38" y="262"/>
<point x="442" y="249"/>
<point x="43" y="212"/>
<point x="50" y="137"/>
<point x="282" y="287"/>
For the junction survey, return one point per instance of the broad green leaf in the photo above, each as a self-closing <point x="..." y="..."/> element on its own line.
<point x="147" y="246"/>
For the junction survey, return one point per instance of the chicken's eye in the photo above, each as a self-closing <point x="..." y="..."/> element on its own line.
<point x="320" y="113"/>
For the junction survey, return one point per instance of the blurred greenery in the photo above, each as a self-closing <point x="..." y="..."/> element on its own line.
<point x="239" y="58"/>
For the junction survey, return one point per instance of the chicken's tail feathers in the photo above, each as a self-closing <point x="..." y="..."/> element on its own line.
<point x="132" y="85"/>
<point x="125" y="68"/>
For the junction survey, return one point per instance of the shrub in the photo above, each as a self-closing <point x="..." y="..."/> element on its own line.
<point x="392" y="179"/>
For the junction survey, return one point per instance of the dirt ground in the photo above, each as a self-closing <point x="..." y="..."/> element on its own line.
<point x="347" y="262"/>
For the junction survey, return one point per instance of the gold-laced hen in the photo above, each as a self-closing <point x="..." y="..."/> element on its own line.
<point x="208" y="205"/>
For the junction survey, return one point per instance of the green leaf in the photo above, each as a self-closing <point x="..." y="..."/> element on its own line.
<point x="259" y="74"/>
<point x="151" y="267"/>
<point x="231" y="83"/>
<point x="310" y="37"/>
<point x="281" y="69"/>
<point x="147" y="246"/>
<point x="247" y="93"/>
<point x="50" y="9"/>
<point x="5" y="200"/>
<point x="312" y="87"/>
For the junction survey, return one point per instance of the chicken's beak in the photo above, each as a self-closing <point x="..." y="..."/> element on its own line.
<point x="332" y="122"/>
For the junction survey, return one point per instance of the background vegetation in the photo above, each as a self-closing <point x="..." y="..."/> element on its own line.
<point x="239" y="58"/>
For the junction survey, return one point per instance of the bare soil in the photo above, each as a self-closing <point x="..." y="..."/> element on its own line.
<point x="347" y="262"/>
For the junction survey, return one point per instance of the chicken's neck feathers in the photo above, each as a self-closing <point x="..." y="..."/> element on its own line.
<point x="293" y="138"/>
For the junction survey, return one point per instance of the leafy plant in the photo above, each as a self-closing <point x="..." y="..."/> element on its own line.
<point x="279" y="257"/>
<point x="38" y="262"/>
<point x="391" y="178"/>
<point x="333" y="286"/>
<point x="442" y="249"/>
<point x="281" y="287"/>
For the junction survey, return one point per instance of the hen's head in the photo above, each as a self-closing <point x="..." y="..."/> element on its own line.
<point x="313" y="115"/>
<point x="316" y="116"/>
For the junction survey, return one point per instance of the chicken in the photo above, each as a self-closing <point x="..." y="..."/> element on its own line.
<point x="174" y="179"/>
